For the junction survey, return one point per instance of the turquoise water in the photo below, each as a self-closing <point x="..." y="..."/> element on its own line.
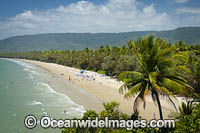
<point x="26" y="89"/>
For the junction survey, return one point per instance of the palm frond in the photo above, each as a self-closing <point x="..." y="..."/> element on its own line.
<point x="145" y="93"/>
<point x="138" y="99"/>
<point x="153" y="97"/>
<point x="153" y="77"/>
<point x="172" y="102"/>
<point x="139" y="59"/>
<point x="188" y="87"/>
<point x="123" y="87"/>
<point x="186" y="109"/>
<point x="165" y="53"/>
<point x="178" y="78"/>
<point x="132" y="91"/>
<point x="181" y="69"/>
<point x="180" y="57"/>
<point x="133" y="75"/>
<point x="174" y="86"/>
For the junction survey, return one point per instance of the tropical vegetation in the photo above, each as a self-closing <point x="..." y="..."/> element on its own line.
<point x="147" y="67"/>
<point x="159" y="73"/>
<point x="186" y="123"/>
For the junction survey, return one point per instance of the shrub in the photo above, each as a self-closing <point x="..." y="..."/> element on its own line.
<point x="101" y="72"/>
<point x="189" y="123"/>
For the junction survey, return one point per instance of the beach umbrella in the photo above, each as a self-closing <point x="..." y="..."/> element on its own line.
<point x="82" y="71"/>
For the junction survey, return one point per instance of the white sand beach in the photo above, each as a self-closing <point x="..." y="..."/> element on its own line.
<point x="106" y="90"/>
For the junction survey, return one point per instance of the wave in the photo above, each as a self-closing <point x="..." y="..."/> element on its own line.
<point x="21" y="63"/>
<point x="74" y="110"/>
<point x="31" y="77"/>
<point x="14" y="115"/>
<point x="35" y="103"/>
<point x="73" y="107"/>
<point x="48" y="86"/>
<point x="26" y="69"/>
<point x="44" y="113"/>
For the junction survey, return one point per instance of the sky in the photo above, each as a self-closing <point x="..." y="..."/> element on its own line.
<point x="25" y="17"/>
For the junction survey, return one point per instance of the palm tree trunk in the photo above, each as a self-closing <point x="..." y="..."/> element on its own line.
<point x="160" y="109"/>
<point x="159" y="105"/>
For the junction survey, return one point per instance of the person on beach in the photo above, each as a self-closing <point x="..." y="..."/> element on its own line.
<point x="69" y="78"/>
<point x="154" y="115"/>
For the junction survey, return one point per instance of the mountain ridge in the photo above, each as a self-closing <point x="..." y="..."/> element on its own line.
<point x="78" y="41"/>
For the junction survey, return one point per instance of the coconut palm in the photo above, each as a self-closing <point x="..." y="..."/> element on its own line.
<point x="159" y="73"/>
<point x="186" y="108"/>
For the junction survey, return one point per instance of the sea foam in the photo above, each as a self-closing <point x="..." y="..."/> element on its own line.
<point x="35" y="103"/>
<point x="34" y="72"/>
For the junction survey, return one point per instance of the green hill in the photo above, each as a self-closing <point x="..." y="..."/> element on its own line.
<point x="62" y="41"/>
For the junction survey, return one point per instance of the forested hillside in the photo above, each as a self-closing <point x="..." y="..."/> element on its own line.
<point x="78" y="41"/>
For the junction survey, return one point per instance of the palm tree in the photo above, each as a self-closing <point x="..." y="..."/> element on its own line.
<point x="186" y="109"/>
<point x="159" y="73"/>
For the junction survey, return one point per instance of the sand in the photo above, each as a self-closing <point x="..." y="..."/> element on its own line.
<point x="107" y="90"/>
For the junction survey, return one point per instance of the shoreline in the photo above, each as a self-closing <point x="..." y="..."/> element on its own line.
<point x="103" y="89"/>
<point x="76" y="94"/>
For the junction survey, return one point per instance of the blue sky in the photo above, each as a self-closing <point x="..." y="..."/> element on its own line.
<point x="9" y="8"/>
<point x="21" y="17"/>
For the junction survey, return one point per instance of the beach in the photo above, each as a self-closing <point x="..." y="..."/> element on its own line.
<point x="103" y="89"/>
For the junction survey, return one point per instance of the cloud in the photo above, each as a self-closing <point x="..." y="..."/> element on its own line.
<point x="84" y="16"/>
<point x="188" y="10"/>
<point x="181" y="1"/>
<point x="189" y="16"/>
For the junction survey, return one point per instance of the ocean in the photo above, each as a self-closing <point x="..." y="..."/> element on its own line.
<point x="26" y="89"/>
